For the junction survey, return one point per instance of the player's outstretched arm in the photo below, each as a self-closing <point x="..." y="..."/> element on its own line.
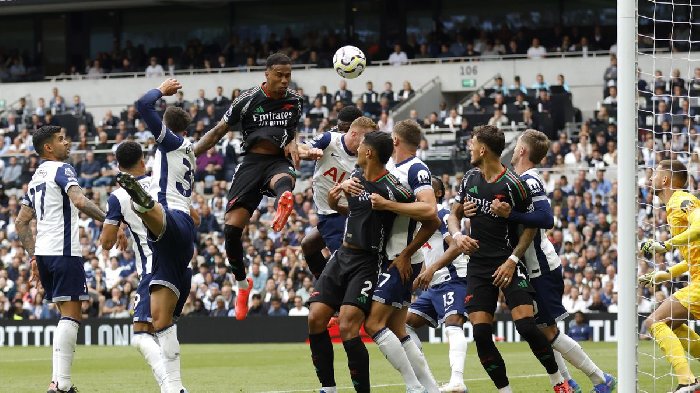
<point x="657" y="277"/>
<point x="541" y="217"/>
<point x="211" y="138"/>
<point x="424" y="208"/>
<point x="146" y="106"/>
<point x="24" y="228"/>
<point x="307" y="152"/>
<point x="75" y="194"/>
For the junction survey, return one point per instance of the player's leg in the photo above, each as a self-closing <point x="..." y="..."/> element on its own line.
<point x="397" y="324"/>
<point x="658" y="326"/>
<point x="454" y="330"/>
<point x="688" y="337"/>
<point x="235" y="221"/>
<point x="421" y="313"/>
<point x="350" y="320"/>
<point x="64" y="344"/>
<point x="144" y="339"/>
<point x="282" y="184"/>
<point x="312" y="246"/>
<point x="149" y="210"/>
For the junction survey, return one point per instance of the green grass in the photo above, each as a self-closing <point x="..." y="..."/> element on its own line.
<point x="287" y="367"/>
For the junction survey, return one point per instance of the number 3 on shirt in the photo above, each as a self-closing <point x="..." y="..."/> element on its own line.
<point x="188" y="178"/>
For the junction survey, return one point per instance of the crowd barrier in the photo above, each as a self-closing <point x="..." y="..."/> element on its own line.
<point x="209" y="330"/>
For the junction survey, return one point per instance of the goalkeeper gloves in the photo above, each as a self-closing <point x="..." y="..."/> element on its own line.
<point x="649" y="280"/>
<point x="650" y="247"/>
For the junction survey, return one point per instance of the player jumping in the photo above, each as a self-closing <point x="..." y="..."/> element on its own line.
<point x="387" y="320"/>
<point x="55" y="197"/>
<point x="496" y="264"/>
<point x="668" y="323"/>
<point x="544" y="266"/>
<point x="130" y="159"/>
<point x="268" y="115"/>
<point x="347" y="282"/>
<point x="445" y="287"/>
<point x="336" y="154"/>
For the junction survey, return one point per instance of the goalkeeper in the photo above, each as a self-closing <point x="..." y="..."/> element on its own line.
<point x="668" y="324"/>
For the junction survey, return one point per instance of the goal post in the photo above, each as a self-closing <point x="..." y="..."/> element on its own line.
<point x="627" y="195"/>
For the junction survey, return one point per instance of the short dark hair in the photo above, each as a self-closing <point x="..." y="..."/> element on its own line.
<point x="129" y="154"/>
<point x="381" y="143"/>
<point x="277" y="58"/>
<point x="679" y="172"/>
<point x="437" y="183"/>
<point x="538" y="144"/>
<point x="409" y="131"/>
<point x="492" y="137"/>
<point x="346" y="116"/>
<point x="176" y="119"/>
<point x="42" y="136"/>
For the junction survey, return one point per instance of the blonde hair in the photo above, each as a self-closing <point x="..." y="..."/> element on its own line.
<point x="365" y="123"/>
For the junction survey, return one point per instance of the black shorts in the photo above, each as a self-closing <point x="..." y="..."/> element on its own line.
<point x="482" y="295"/>
<point x="252" y="177"/>
<point x="348" y="278"/>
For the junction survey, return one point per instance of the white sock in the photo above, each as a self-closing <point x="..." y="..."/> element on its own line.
<point x="556" y="378"/>
<point x="391" y="347"/>
<point x="419" y="365"/>
<point x="574" y="354"/>
<point x="458" y="352"/>
<point x="562" y="365"/>
<point x="414" y="336"/>
<point x="505" y="390"/>
<point x="243" y="284"/>
<point x="170" y="352"/>
<point x="331" y="389"/>
<point x="149" y="348"/>
<point x="63" y="351"/>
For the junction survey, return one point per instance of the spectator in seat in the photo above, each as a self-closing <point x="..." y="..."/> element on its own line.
<point x="220" y="309"/>
<point x="209" y="118"/>
<point x="96" y="71"/>
<point x="180" y="101"/>
<point x="109" y="120"/>
<point x="544" y="104"/>
<point x="259" y="274"/>
<point x="108" y="172"/>
<point x="12" y="173"/>
<point x="201" y="101"/>
<point x="116" y="305"/>
<point x="221" y="61"/>
<point x="611" y="99"/>
<point x="299" y="309"/>
<point x="385" y="123"/>
<point x="199" y="309"/>
<point x="78" y="108"/>
<point x="325" y="97"/>
<point x="17" y="311"/>
<point x="209" y="166"/>
<point x="41" y="108"/>
<point x="518" y="86"/>
<point x="343" y="94"/>
<point x="540" y="84"/>
<point x="370" y="97"/>
<point x="423" y="52"/>
<point x="131" y="116"/>
<point x="579" y="329"/>
<point x="276" y="309"/>
<point x="170" y="66"/>
<point x="208" y="223"/>
<point x="257" y="308"/>
<point x="610" y="75"/>
<point x="474" y="105"/>
<point x="54" y="96"/>
<point x="498" y="118"/>
<point x="142" y="134"/>
<point x="694" y="83"/>
<point x="389" y="94"/>
<point x="406" y="92"/>
<point x="319" y="109"/>
<point x="520" y="104"/>
<point x="413" y="115"/>
<point x="561" y="81"/>
<point x="499" y="102"/>
<point x="398" y="57"/>
<point x="154" y="69"/>
<point x="220" y="100"/>
<point x="583" y="46"/>
<point x="536" y="51"/>
<point x="59" y="106"/>
<point x="453" y="121"/>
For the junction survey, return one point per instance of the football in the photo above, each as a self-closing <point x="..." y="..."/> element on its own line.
<point x="349" y="62"/>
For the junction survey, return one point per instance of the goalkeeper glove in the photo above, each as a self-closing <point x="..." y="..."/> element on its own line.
<point x="649" y="280"/>
<point x="650" y="247"/>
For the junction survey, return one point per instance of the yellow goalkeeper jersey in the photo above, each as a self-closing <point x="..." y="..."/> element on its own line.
<point x="678" y="210"/>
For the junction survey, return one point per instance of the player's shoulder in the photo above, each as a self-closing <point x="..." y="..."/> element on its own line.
<point x="247" y="94"/>
<point x="684" y="201"/>
<point x="472" y="173"/>
<point x="534" y="182"/>
<point x="294" y="94"/>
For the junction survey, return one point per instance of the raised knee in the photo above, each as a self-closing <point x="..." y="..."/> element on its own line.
<point x="527" y="327"/>
<point x="482" y="332"/>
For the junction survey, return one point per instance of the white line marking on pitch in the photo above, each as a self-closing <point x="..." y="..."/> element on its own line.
<point x="399" y="384"/>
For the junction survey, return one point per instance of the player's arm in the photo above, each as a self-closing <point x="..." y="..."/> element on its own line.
<point x="690" y="235"/>
<point x="503" y="274"/>
<point x="656" y="277"/>
<point x="334" y="199"/>
<point x="229" y="119"/>
<point x="424" y="278"/>
<point x="146" y="106"/>
<point x="465" y="243"/>
<point x="541" y="217"/>
<point x="424" y="208"/>
<point x="403" y="261"/>
<point x="85" y="205"/>
<point x="23" y="226"/>
<point x="113" y="219"/>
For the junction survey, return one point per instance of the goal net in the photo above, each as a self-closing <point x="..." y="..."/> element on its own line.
<point x="668" y="118"/>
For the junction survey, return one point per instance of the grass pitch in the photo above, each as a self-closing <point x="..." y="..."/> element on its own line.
<point x="287" y="368"/>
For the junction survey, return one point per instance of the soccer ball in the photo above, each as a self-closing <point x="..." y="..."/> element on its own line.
<point x="349" y="62"/>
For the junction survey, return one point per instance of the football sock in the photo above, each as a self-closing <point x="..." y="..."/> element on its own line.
<point x="689" y="340"/>
<point x="561" y="363"/>
<point x="505" y="389"/>
<point x="170" y="352"/>
<point x="358" y="363"/>
<point x="148" y="347"/>
<point x="540" y="347"/>
<point x="457" y="353"/>
<point x="673" y="350"/>
<point x="316" y="262"/>
<point x="412" y="332"/>
<point x="322" y="357"/>
<point x="234" y="251"/>
<point x="64" y="340"/>
<point x="391" y="347"/>
<point x="574" y="354"/>
<point x="285" y="183"/>
<point x="490" y="358"/>
<point x="419" y="365"/>
<point x="243" y="284"/>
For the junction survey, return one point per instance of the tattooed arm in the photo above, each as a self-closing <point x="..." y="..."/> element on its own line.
<point x="24" y="228"/>
<point x="75" y="193"/>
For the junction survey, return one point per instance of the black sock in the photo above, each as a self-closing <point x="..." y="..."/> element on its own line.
<point x="286" y="183"/>
<point x="316" y="262"/>
<point x="322" y="357"/>
<point x="234" y="250"/>
<point x="539" y="345"/>
<point x="490" y="358"/>
<point x="358" y="363"/>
